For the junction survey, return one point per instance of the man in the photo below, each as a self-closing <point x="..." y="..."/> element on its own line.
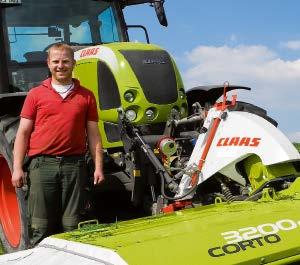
<point x="57" y="119"/>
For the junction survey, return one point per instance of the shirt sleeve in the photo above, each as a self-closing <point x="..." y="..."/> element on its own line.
<point x="29" y="107"/>
<point x="92" y="114"/>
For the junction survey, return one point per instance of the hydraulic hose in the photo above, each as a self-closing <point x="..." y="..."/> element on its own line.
<point x="172" y="185"/>
<point x="189" y="120"/>
<point x="180" y="197"/>
<point x="164" y="175"/>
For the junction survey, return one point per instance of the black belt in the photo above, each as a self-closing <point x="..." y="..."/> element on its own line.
<point x="60" y="157"/>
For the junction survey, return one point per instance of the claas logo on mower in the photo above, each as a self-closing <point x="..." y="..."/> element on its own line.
<point x="239" y="141"/>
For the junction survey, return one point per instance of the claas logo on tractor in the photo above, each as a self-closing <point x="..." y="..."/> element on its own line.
<point x="88" y="52"/>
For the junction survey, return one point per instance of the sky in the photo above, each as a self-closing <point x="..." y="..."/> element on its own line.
<point x="250" y="43"/>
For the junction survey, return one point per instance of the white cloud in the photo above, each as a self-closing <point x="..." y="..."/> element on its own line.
<point x="293" y="45"/>
<point x="275" y="82"/>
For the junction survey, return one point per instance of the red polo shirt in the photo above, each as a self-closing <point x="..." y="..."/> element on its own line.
<point x="59" y="124"/>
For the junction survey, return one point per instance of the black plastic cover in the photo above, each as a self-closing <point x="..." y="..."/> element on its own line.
<point x="155" y="73"/>
<point x="209" y="94"/>
<point x="108" y="92"/>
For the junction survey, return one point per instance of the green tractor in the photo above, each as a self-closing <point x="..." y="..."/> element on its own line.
<point x="219" y="179"/>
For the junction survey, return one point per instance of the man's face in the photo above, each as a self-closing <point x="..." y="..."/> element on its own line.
<point x="61" y="64"/>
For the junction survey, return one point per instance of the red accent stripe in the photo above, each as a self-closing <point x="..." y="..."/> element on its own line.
<point x="210" y="138"/>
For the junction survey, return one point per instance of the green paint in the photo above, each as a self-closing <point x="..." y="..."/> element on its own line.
<point x="258" y="173"/>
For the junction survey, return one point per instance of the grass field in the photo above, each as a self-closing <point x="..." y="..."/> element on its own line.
<point x="1" y="249"/>
<point x="297" y="146"/>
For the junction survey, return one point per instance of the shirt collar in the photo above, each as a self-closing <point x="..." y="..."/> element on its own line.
<point x="47" y="83"/>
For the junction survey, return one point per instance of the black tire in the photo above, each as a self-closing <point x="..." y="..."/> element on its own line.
<point x="13" y="217"/>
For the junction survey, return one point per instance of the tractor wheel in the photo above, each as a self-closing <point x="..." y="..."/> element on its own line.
<point x="13" y="220"/>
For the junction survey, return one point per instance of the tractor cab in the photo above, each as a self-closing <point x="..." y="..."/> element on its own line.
<point x="30" y="27"/>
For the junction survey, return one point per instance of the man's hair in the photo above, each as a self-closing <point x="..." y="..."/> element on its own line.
<point x="61" y="46"/>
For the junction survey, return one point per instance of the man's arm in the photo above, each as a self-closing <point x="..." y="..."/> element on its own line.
<point x="95" y="146"/>
<point x="20" y="149"/>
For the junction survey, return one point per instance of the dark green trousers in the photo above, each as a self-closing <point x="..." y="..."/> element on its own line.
<point x="56" y="189"/>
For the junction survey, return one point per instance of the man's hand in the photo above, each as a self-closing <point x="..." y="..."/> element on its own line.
<point x="95" y="146"/>
<point x="98" y="177"/>
<point x="18" y="178"/>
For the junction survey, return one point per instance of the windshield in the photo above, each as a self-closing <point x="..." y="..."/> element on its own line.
<point x="33" y="26"/>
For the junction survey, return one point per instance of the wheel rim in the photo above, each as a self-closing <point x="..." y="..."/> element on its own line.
<point x="9" y="210"/>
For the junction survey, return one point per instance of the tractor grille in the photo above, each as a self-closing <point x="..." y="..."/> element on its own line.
<point x="155" y="73"/>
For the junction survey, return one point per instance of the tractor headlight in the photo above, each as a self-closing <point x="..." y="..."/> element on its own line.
<point x="181" y="94"/>
<point x="130" y="114"/>
<point x="150" y="114"/>
<point x="129" y="96"/>
<point x="182" y="111"/>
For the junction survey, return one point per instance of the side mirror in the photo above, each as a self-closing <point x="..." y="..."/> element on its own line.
<point x="160" y="12"/>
